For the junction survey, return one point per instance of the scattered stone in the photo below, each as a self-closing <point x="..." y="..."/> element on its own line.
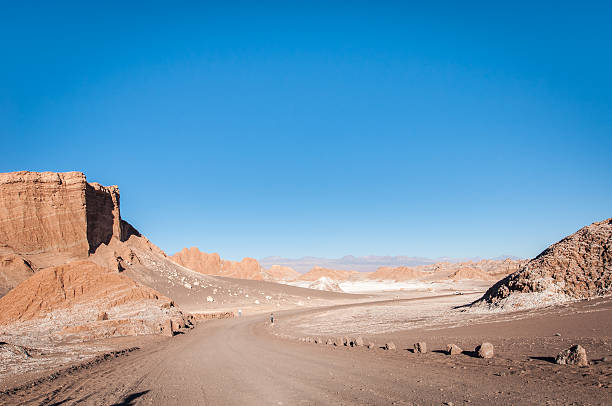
<point x="209" y="299"/>
<point x="485" y="350"/>
<point x="575" y="355"/>
<point x="452" y="349"/>
<point x="390" y="346"/>
<point x="420" y="347"/>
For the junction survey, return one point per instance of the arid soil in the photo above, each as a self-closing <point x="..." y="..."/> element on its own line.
<point x="245" y="361"/>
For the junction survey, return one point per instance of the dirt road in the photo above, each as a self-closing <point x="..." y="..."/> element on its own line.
<point x="237" y="362"/>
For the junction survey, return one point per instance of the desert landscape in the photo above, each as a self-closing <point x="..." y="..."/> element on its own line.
<point x="92" y="312"/>
<point x="298" y="203"/>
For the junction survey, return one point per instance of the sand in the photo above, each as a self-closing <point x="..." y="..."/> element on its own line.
<point x="246" y="361"/>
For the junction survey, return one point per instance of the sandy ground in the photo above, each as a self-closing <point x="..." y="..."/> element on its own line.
<point x="242" y="361"/>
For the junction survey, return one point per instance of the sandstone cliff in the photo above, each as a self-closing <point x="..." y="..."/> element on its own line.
<point x="56" y="212"/>
<point x="577" y="267"/>
<point x="48" y="219"/>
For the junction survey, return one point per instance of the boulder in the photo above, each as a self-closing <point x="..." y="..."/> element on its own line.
<point x="485" y="350"/>
<point x="339" y="342"/>
<point x="346" y="341"/>
<point x="102" y="316"/>
<point x="166" y="328"/>
<point x="371" y="346"/>
<point x="452" y="349"/>
<point x="318" y="340"/>
<point x="390" y="346"/>
<point x="330" y="342"/>
<point x="575" y="355"/>
<point x="420" y="347"/>
<point x="358" y="341"/>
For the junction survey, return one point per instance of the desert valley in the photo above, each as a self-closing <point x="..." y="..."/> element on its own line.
<point x="92" y="312"/>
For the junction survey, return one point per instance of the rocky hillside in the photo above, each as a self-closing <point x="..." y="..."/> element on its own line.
<point x="398" y="274"/>
<point x="577" y="267"/>
<point x="212" y="264"/>
<point x="281" y="273"/>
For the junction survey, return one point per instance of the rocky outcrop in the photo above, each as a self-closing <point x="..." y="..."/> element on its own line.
<point x="318" y="272"/>
<point x="325" y="284"/>
<point x="485" y="350"/>
<point x="420" y="348"/>
<point x="212" y="264"/>
<point x="65" y="286"/>
<point x="398" y="274"/>
<point x="89" y="301"/>
<point x="575" y="355"/>
<point x="453" y="349"/>
<point x="577" y="267"/>
<point x="14" y="269"/>
<point x="281" y="273"/>
<point x="56" y="212"/>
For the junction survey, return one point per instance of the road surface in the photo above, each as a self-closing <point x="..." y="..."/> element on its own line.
<point x="238" y="362"/>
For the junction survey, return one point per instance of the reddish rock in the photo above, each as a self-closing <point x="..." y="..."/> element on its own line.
<point x="577" y="267"/>
<point x="420" y="347"/>
<point x="212" y="264"/>
<point x="575" y="355"/>
<point x="485" y="350"/>
<point x="452" y="349"/>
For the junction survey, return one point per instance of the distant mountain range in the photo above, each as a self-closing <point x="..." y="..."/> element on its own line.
<point x="363" y="264"/>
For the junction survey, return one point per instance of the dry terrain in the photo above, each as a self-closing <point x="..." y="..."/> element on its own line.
<point x="245" y="361"/>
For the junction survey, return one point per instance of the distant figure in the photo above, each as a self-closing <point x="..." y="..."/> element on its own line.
<point x="239" y="312"/>
<point x="272" y="318"/>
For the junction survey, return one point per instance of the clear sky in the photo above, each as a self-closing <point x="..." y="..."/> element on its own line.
<point x="319" y="128"/>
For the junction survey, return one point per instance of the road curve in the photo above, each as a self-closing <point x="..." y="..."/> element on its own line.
<point x="238" y="362"/>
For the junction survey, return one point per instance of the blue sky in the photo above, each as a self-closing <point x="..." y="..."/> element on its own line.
<point x="291" y="129"/>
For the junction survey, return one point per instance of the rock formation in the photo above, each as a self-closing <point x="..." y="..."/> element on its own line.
<point x="212" y="264"/>
<point x="56" y="212"/>
<point x="485" y="350"/>
<point x="577" y="267"/>
<point x="14" y="269"/>
<point x="326" y="284"/>
<point x="398" y="274"/>
<point x="75" y="283"/>
<point x="575" y="355"/>
<point x="420" y="347"/>
<point x="453" y="349"/>
<point x="337" y="275"/>
<point x="281" y="273"/>
<point x="464" y="273"/>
